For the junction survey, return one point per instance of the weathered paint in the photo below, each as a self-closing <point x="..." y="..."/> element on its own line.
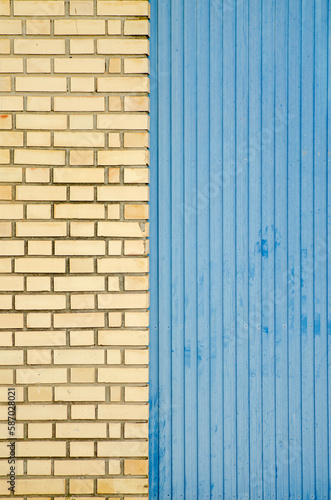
<point x="240" y="324"/>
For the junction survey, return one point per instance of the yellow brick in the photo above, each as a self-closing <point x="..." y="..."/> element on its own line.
<point x="114" y="175"/>
<point x="38" y="320"/>
<point x="81" y="448"/>
<point x="120" y="485"/>
<point x="117" y="229"/>
<point x="39" y="357"/>
<point x="39" y="8"/>
<point x="114" y="65"/>
<point x="13" y="247"/>
<point x="123" y="265"/>
<point x="135" y="247"/>
<point x="136" y="467"/>
<point x="5" y="82"/>
<point x="11" y="357"/>
<point x="136" y="211"/>
<point x="41" y="193"/>
<point x="40" y="486"/>
<point x="124" y="121"/>
<point x="34" y="339"/>
<point x="81" y="65"/>
<point x="79" y="283"/>
<point x="79" y="175"/>
<point x="11" y="103"/>
<point x="41" y="83"/>
<point x="81" y="157"/>
<point x="122" y="8"/>
<point x="79" y="320"/>
<point x="42" y="412"/>
<point x="82" y="301"/>
<point x="47" y="302"/>
<point x="136" y="175"/>
<point x="81" y="122"/>
<point x="79" y="139"/>
<point x="38" y="27"/>
<point x="81" y="8"/>
<point x="82" y="84"/>
<point x="11" y="321"/>
<point x="81" y="337"/>
<point x="6" y="302"/>
<point x="41" y="376"/>
<point x="40" y="394"/>
<point x="82" y="375"/>
<point x="79" y="357"/>
<point x="123" y="375"/>
<point x="79" y="467"/>
<point x="122" y="448"/>
<point x="83" y="265"/>
<point x="41" y="229"/>
<point x="5" y="8"/>
<point x="80" y="247"/>
<point x="136" y="283"/>
<point x="114" y="27"/>
<point x="136" y="394"/>
<point x="136" y="140"/>
<point x="123" y="301"/>
<point x="80" y="393"/>
<point x="132" y="157"/>
<point x="123" y="193"/>
<point x="38" y="139"/>
<point x="82" y="46"/>
<point x="81" y="229"/>
<point x="136" y="65"/>
<point x="11" y="139"/>
<point x="39" y="247"/>
<point x="113" y="283"/>
<point x="41" y="211"/>
<point x="114" y="430"/>
<point x="114" y="140"/>
<point x="82" y="193"/>
<point x="71" y="103"/>
<point x="114" y="103"/>
<point x="6" y="376"/>
<point x="38" y="65"/>
<point x="38" y="265"/>
<point x="50" y="122"/>
<point x="115" y="247"/>
<point x="115" y="393"/>
<point x="5" y="46"/>
<point x="136" y="319"/>
<point x="39" y="157"/>
<point x="5" y="230"/>
<point x="113" y="211"/>
<point x="133" y="27"/>
<point x="11" y="283"/>
<point x="5" y="158"/>
<point x="81" y="211"/>
<point x="10" y="27"/>
<point x="38" y="104"/>
<point x="11" y="65"/>
<point x="136" y="103"/>
<point x="39" y="467"/>
<point x="5" y="264"/>
<point x="38" y="284"/>
<point x="114" y="357"/>
<point x="81" y="486"/>
<point x="123" y="84"/>
<point x="40" y="430"/>
<point x="121" y="46"/>
<point x="114" y="467"/>
<point x="133" y="431"/>
<point x="79" y="27"/>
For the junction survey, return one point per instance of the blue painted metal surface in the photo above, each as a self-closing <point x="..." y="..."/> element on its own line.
<point x="240" y="226"/>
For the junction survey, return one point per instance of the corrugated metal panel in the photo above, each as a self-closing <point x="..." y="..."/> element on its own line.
<point x="240" y="226"/>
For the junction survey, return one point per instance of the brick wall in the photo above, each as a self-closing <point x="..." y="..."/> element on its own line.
<point x="73" y="250"/>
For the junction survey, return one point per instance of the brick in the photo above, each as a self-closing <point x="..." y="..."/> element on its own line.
<point x="114" y="467"/>
<point x="81" y="122"/>
<point x="39" y="8"/>
<point x="79" y="175"/>
<point x="39" y="467"/>
<point x="81" y="8"/>
<point x="81" y="393"/>
<point x="40" y="486"/>
<point x="82" y="375"/>
<point x="39" y="431"/>
<point x="81" y="211"/>
<point x="121" y="46"/>
<point x="11" y="320"/>
<point x="114" y="175"/>
<point x="81" y="430"/>
<point x="41" y="193"/>
<point x="6" y="376"/>
<point x="13" y="247"/>
<point x="123" y="301"/>
<point x="5" y="82"/>
<point x="39" y="247"/>
<point x="79" y="139"/>
<point x="41" y="211"/>
<point x="35" y="103"/>
<point x="81" y="157"/>
<point x="136" y="140"/>
<point x="82" y="46"/>
<point x="114" y="27"/>
<point x="42" y="412"/>
<point x="12" y="211"/>
<point x="137" y="27"/>
<point x="123" y="375"/>
<point x="81" y="65"/>
<point x="39" y="157"/>
<point x="39" y="265"/>
<point x="113" y="283"/>
<point x="11" y="65"/>
<point x="71" y="103"/>
<point x="136" y="394"/>
<point x="133" y="430"/>
<point x="122" y="229"/>
<point x="38" y="27"/>
<point x="38" y="65"/>
<point x="41" y="376"/>
<point x="41" y="83"/>
<point x="4" y="46"/>
<point x="35" y="339"/>
<point x="11" y="357"/>
<point x="11" y="139"/>
<point x="136" y="211"/>
<point x="123" y="84"/>
<point x="10" y="27"/>
<point x="113" y="211"/>
<point x="114" y="140"/>
<point x="132" y="157"/>
<point x="136" y="319"/>
<point x="136" y="65"/>
<point x="38" y="320"/>
<point x="136" y="467"/>
<point x="39" y="357"/>
<point x="38" y="139"/>
<point x="41" y="229"/>
<point x="123" y="265"/>
<point x="115" y="247"/>
<point x="82" y="301"/>
<point x="81" y="193"/>
<point x="114" y="357"/>
<point x="123" y="8"/>
<point x="79" y="467"/>
<point x="81" y="486"/>
<point x="4" y="158"/>
<point x="122" y="448"/>
<point x="80" y="247"/>
<point x="81" y="448"/>
<point x="6" y="302"/>
<point x="82" y="84"/>
<point x="136" y="283"/>
<point x="49" y="301"/>
<point x="38" y="122"/>
<point x="5" y="231"/>
<point x="79" y="357"/>
<point x="5" y="264"/>
<point x="5" y="192"/>
<point x="41" y="394"/>
<point x="125" y="121"/>
<point x="136" y="103"/>
<point x="81" y="337"/>
<point x="79" y="27"/>
<point x="83" y="265"/>
<point x="114" y="65"/>
<point x="115" y="103"/>
<point x="136" y="175"/>
<point x="11" y="283"/>
<point x="123" y="193"/>
<point x="11" y="103"/>
<point x="120" y="485"/>
<point x="38" y="284"/>
<point x="79" y="320"/>
<point x="5" y="8"/>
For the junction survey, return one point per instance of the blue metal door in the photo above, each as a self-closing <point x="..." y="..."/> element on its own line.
<point x="240" y="324"/>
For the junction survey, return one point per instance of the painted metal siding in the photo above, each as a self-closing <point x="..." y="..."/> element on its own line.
<point x="240" y="325"/>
